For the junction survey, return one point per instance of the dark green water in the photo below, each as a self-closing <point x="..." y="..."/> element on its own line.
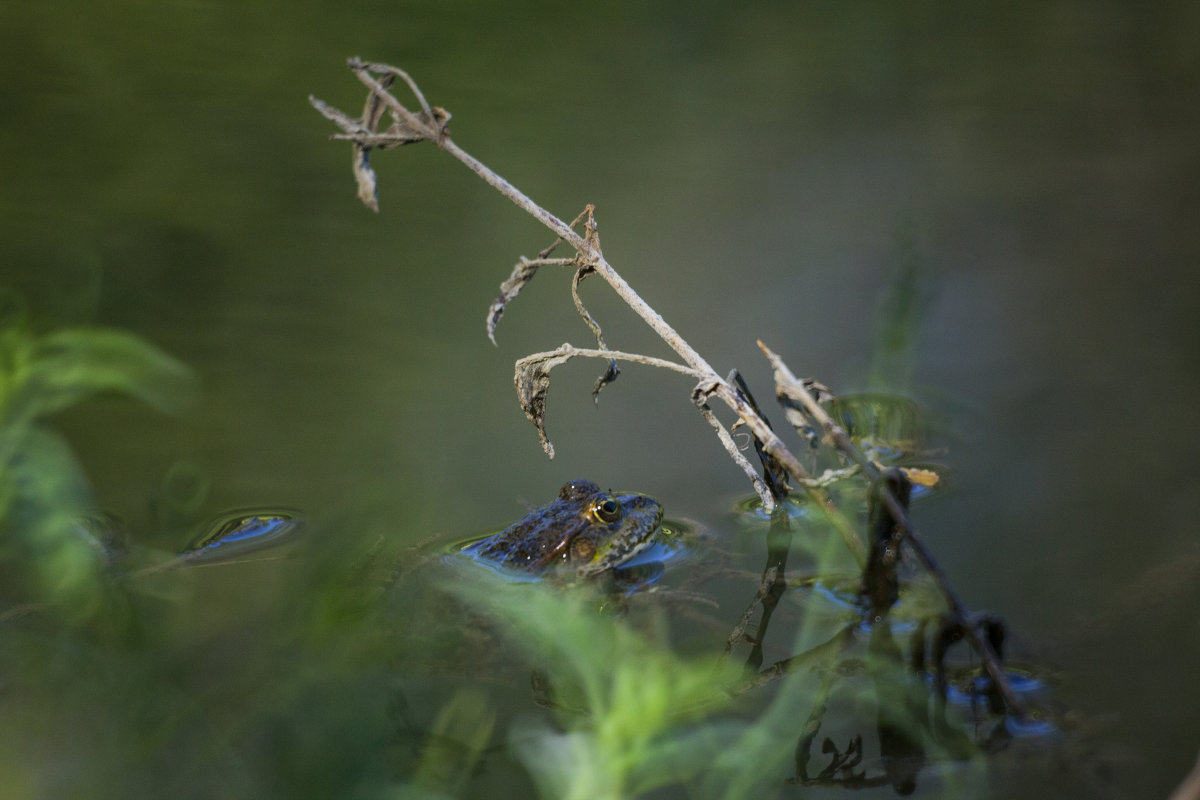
<point x="758" y="173"/>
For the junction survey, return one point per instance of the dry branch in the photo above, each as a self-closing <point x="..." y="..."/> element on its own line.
<point x="801" y="399"/>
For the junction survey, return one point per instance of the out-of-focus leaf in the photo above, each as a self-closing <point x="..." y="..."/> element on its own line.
<point x="42" y="495"/>
<point x="66" y="366"/>
<point x="889" y="429"/>
<point x="907" y="296"/>
<point x="460" y="733"/>
<point x="628" y="703"/>
<point x="43" y="492"/>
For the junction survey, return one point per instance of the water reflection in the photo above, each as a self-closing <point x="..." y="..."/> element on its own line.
<point x="239" y="532"/>
<point x="223" y="540"/>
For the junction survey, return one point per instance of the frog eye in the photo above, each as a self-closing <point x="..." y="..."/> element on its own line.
<point x="606" y="509"/>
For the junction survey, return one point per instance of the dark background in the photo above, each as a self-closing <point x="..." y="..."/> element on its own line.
<point x="759" y="172"/>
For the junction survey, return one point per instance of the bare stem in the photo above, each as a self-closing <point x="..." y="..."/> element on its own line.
<point x="428" y="124"/>
<point x="588" y="251"/>
<point x="571" y="351"/>
<point x="726" y="439"/>
<point x="594" y="257"/>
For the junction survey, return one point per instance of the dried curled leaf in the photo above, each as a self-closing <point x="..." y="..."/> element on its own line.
<point x="364" y="177"/>
<point x="605" y="379"/>
<point x="793" y="409"/>
<point x="584" y="270"/>
<point x="522" y="273"/>
<point x="364" y="133"/>
<point x="613" y="371"/>
<point x="532" y="379"/>
<point x="526" y="268"/>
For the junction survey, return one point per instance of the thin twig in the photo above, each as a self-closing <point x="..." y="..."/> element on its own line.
<point x="726" y="439"/>
<point x="431" y="129"/>
<point x="589" y="252"/>
<point x="571" y="351"/>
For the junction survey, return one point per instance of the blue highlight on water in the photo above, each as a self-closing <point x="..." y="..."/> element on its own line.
<point x="242" y="532"/>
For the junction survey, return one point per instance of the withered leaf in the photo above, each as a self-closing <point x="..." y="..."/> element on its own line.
<point x="608" y="377"/>
<point x="400" y="132"/>
<point x="365" y="135"/>
<point x="532" y="380"/>
<point x="522" y="273"/>
<point x="364" y="176"/>
<point x="374" y="107"/>
<point x="611" y="373"/>
<point x="582" y="272"/>
<point x="787" y="393"/>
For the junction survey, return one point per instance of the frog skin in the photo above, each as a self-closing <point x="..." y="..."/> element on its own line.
<point x="585" y="529"/>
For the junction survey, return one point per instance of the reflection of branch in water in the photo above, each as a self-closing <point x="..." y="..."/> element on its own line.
<point x="812" y="726"/>
<point x="910" y="724"/>
<point x="902" y="711"/>
<point x="823" y="656"/>
<point x="881" y="578"/>
<point x="771" y="587"/>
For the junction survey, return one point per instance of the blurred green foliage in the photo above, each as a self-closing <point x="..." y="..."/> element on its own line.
<point x="341" y="674"/>
<point x="627" y="705"/>
<point x="48" y="555"/>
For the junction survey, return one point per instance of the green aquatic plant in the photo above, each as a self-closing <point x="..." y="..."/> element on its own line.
<point x="632" y="716"/>
<point x="46" y="554"/>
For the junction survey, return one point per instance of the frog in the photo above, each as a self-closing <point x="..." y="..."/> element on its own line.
<point x="584" y="529"/>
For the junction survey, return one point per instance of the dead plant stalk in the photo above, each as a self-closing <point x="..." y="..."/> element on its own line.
<point x="430" y="124"/>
